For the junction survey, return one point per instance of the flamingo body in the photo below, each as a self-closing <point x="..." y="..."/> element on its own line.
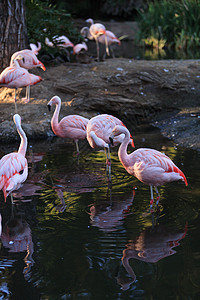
<point x="60" y="41"/>
<point x="99" y="129"/>
<point x="111" y="38"/>
<point x="72" y="126"/>
<point x="152" y="167"/>
<point x="29" y="60"/>
<point x="80" y="47"/>
<point x="15" y="76"/>
<point x="14" y="166"/>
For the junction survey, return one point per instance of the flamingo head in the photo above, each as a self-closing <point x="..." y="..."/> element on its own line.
<point x="120" y="130"/>
<point x="54" y="100"/>
<point x="17" y="120"/>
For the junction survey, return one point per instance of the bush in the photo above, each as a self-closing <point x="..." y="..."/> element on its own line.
<point x="44" y="20"/>
<point x="177" y="22"/>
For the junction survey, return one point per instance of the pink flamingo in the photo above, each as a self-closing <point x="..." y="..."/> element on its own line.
<point x="111" y="39"/>
<point x="98" y="130"/>
<point x="28" y="62"/>
<point x="72" y="126"/>
<point x="13" y="166"/>
<point x="16" y="77"/>
<point x="61" y="42"/>
<point x="147" y="165"/>
<point x="95" y="31"/>
<point x="79" y="48"/>
<point x="35" y="48"/>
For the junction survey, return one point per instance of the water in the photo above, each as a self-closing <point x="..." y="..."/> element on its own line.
<point x="73" y="237"/>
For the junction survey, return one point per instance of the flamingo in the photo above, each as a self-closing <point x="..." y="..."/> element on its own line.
<point x="111" y="39"/>
<point x="35" y="48"/>
<point x="16" y="77"/>
<point x="95" y="31"/>
<point x="147" y="165"/>
<point x="28" y="62"/>
<point x="71" y="126"/>
<point x="79" y="48"/>
<point x="14" y="166"/>
<point x="98" y="130"/>
<point x="61" y="42"/>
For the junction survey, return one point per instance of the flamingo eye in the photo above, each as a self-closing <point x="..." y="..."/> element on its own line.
<point x="21" y="172"/>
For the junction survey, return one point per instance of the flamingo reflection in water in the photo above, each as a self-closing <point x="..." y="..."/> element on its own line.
<point x="109" y="215"/>
<point x="16" y="236"/>
<point x="152" y="245"/>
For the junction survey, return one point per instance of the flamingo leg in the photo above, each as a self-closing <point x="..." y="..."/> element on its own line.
<point x="107" y="48"/>
<point x="27" y="97"/>
<point x="158" y="195"/>
<point x="77" y="148"/>
<point x="15" y="101"/>
<point x="12" y="201"/>
<point x="97" y="44"/>
<point x="108" y="163"/>
<point x="152" y="200"/>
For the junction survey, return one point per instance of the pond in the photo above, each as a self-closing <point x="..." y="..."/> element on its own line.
<point x="73" y="236"/>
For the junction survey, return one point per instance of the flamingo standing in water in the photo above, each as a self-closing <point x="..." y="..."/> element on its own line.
<point x="72" y="126"/>
<point x="95" y="31"/>
<point x="147" y="165"/>
<point x="98" y="130"/>
<point x="16" y="77"/>
<point x="28" y="62"/>
<point x="14" y="166"/>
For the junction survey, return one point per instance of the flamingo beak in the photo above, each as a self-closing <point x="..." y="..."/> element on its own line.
<point x="49" y="107"/>
<point x="43" y="67"/>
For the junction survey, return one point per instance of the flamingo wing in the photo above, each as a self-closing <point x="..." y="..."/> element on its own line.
<point x="13" y="172"/>
<point x="151" y="163"/>
<point x="10" y="74"/>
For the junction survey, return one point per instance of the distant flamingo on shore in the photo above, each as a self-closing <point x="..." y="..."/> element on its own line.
<point x="14" y="166"/>
<point x="16" y="77"/>
<point x="28" y="62"/>
<point x="71" y="126"/>
<point x="147" y="165"/>
<point x="111" y="39"/>
<point x="98" y="130"/>
<point x="95" y="31"/>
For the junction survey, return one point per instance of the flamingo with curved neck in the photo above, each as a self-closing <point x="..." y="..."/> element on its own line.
<point x="14" y="166"/>
<point x="71" y="126"/>
<point x="147" y="165"/>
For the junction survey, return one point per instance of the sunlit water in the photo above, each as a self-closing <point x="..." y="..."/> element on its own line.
<point x="73" y="237"/>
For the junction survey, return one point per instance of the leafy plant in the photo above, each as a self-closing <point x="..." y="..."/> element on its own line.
<point x="44" y="20"/>
<point x="177" y="22"/>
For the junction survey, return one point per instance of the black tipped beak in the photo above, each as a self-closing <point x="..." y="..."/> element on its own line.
<point x="111" y="141"/>
<point x="49" y="107"/>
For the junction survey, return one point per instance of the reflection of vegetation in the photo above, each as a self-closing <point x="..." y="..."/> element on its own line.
<point x="177" y="22"/>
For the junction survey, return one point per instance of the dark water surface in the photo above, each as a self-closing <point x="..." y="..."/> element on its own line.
<point x="73" y="237"/>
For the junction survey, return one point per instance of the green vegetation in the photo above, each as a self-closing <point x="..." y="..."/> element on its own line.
<point x="44" y="20"/>
<point x="174" y="22"/>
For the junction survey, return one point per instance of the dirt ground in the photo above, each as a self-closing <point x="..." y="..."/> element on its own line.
<point x="164" y="93"/>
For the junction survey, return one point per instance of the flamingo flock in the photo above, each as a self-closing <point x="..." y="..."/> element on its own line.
<point x="149" y="166"/>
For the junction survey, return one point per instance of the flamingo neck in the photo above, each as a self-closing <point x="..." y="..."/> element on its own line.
<point x="122" y="152"/>
<point x="54" y="120"/>
<point x="23" y="144"/>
